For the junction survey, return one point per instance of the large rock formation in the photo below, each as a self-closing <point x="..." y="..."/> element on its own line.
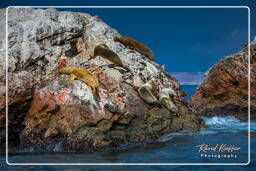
<point x="224" y="90"/>
<point x="46" y="112"/>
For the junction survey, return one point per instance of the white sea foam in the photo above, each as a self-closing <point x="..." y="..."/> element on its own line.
<point x="216" y="125"/>
<point x="226" y="124"/>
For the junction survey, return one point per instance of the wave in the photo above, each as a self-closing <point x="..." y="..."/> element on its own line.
<point x="226" y="124"/>
<point x="216" y="125"/>
<point x="173" y="135"/>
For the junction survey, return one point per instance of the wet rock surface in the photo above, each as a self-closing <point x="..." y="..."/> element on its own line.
<point x="224" y="91"/>
<point x="46" y="112"/>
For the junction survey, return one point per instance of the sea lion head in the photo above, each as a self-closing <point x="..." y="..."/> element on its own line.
<point x="102" y="45"/>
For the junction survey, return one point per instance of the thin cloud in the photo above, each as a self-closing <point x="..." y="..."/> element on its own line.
<point x="188" y="78"/>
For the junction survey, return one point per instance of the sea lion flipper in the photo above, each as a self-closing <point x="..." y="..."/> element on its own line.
<point x="72" y="77"/>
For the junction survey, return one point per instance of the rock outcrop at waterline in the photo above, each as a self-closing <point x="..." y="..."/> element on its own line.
<point x="45" y="109"/>
<point x="224" y="90"/>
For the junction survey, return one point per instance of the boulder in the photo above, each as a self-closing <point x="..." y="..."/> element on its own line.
<point x="46" y="111"/>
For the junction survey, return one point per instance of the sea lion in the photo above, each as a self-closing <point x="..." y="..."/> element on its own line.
<point x="81" y="74"/>
<point x="165" y="99"/>
<point x="145" y="92"/>
<point x="135" y="45"/>
<point x="103" y="51"/>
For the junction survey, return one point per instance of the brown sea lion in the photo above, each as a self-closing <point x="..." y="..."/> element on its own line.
<point x="135" y="45"/>
<point x="103" y="51"/>
<point x="81" y="74"/>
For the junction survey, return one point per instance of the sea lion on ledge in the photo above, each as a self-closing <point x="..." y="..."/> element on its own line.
<point x="103" y="51"/>
<point x="135" y="45"/>
<point x="81" y="74"/>
<point x="145" y="92"/>
<point x="165" y="99"/>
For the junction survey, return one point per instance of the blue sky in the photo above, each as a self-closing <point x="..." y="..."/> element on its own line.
<point x="185" y="40"/>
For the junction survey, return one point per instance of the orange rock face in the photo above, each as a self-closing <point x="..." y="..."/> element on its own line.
<point x="225" y="88"/>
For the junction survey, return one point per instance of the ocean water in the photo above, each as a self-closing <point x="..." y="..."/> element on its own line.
<point x="189" y="89"/>
<point x="181" y="147"/>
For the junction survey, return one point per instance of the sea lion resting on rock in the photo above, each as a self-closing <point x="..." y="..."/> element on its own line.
<point x="135" y="45"/>
<point x="165" y="99"/>
<point x="81" y="74"/>
<point x="145" y="92"/>
<point x="103" y="51"/>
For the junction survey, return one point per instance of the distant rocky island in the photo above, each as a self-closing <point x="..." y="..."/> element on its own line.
<point x="74" y="83"/>
<point x="224" y="91"/>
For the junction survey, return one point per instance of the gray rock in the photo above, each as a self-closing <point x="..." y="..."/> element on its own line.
<point x="37" y="41"/>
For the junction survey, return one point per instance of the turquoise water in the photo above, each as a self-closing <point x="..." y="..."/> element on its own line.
<point x="174" y="148"/>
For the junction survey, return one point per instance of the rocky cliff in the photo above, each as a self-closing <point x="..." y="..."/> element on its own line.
<point x="2" y="77"/>
<point x="48" y="109"/>
<point x="224" y="90"/>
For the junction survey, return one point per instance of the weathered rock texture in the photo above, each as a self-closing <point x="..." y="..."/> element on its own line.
<point x="224" y="90"/>
<point x="2" y="78"/>
<point x="47" y="112"/>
